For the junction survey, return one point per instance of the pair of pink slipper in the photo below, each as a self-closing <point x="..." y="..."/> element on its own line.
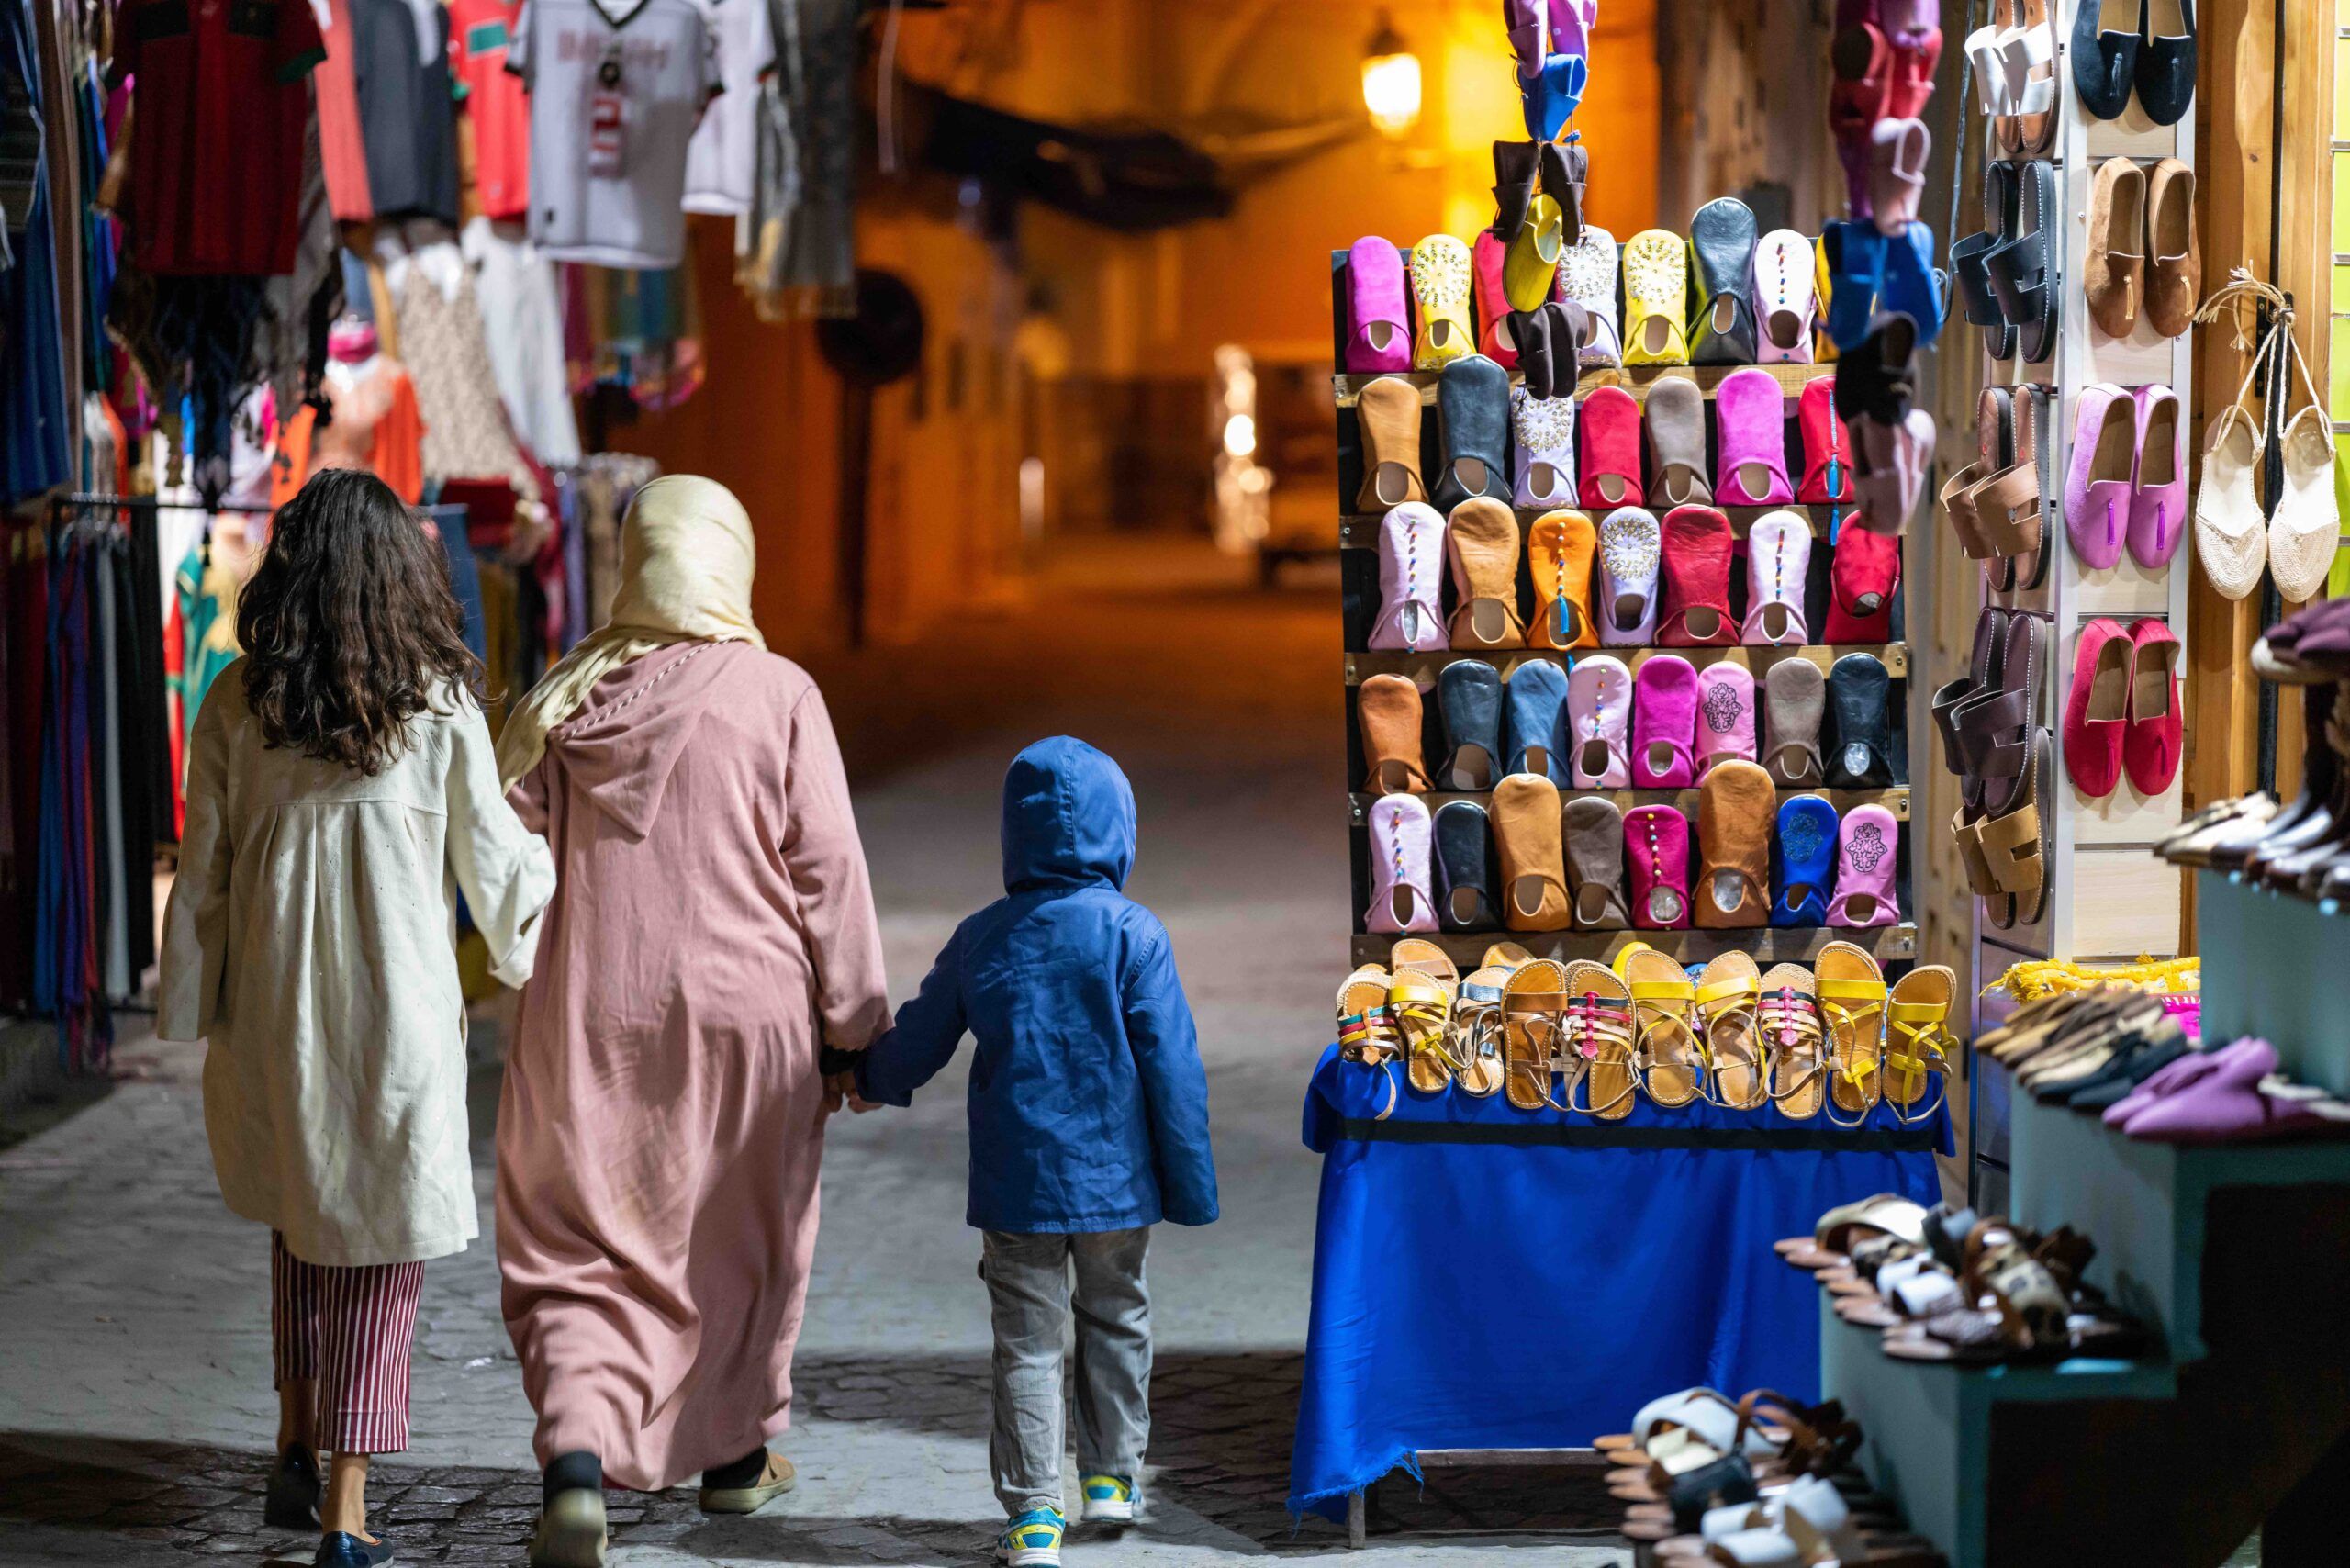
<point x="2232" y="1095"/>
<point x="1685" y="721"/>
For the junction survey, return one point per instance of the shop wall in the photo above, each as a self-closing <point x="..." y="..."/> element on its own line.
<point x="1745" y="86"/>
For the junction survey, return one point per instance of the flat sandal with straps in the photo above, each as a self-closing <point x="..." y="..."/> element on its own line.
<point x="1532" y="998"/>
<point x="1729" y="1002"/>
<point x="1600" y="1039"/>
<point x="1852" y="998"/>
<point x="1473" y="1033"/>
<point x="1671" y="1051"/>
<point x="1420" y="1005"/>
<point x="1795" y="1041"/>
<point x="1367" y="1031"/>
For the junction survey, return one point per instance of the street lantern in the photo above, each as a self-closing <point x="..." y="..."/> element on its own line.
<point x="1391" y="80"/>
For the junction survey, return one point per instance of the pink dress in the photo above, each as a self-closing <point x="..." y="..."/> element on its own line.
<point x="661" y="1127"/>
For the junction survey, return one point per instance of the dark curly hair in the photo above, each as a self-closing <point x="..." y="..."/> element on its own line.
<point x="349" y="627"/>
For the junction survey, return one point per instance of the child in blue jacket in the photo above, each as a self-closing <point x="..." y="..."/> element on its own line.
<point x="1089" y="1125"/>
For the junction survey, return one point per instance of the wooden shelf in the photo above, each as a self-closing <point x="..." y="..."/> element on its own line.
<point x="1635" y="379"/>
<point x="1895" y="799"/>
<point x="1359" y="531"/>
<point x="1768" y="944"/>
<point x="1422" y="667"/>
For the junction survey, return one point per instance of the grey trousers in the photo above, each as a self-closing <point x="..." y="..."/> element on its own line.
<point x="1028" y="1291"/>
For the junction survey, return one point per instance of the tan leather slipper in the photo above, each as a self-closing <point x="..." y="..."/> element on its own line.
<point x="1387" y="708"/>
<point x="1736" y="805"/>
<point x="1481" y="536"/>
<point x="1534" y="874"/>
<point x="1387" y="412"/>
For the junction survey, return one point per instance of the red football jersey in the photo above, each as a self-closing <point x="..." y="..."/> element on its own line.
<point x="495" y="101"/>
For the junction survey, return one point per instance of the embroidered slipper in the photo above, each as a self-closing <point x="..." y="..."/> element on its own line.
<point x="1599" y="713"/>
<point x="1402" y="882"/>
<point x="1864" y="892"/>
<point x="1827" y="451"/>
<point x="1387" y="711"/>
<point x="1656" y="855"/>
<point x="1751" y="421"/>
<point x="1442" y="274"/>
<point x="1857" y="688"/>
<point x="1535" y="730"/>
<point x="1559" y="551"/>
<point x="1474" y="1031"/>
<point x="1629" y="548"/>
<point x="1734" y="810"/>
<point x="1786" y="303"/>
<point x="1599" y="1030"/>
<point x="1530" y="258"/>
<point x="1695" y="552"/>
<point x="2158" y="501"/>
<point x="1544" y="463"/>
<point x="1793" y="1036"/>
<point x="1730" y="995"/>
<point x="1387" y="415"/>
<point x="1778" y="565"/>
<point x="1464" y="867"/>
<point x="1411" y="568"/>
<point x="1534" y="872"/>
<point x="1473" y="417"/>
<point x="1919" y="1046"/>
<point x="1469" y="693"/>
<point x="1609" y="448"/>
<point x="1795" y="698"/>
<point x="1533" y="999"/>
<point x="1665" y="1038"/>
<point x="1675" y="415"/>
<point x="1664" y="723"/>
<point x="1379" y="315"/>
<point x="1722" y="237"/>
<point x="1803" y="861"/>
<point x="1495" y="337"/>
<point x="1656" y="296"/>
<point x="1726" y="706"/>
<point x="1594" y="838"/>
<point x="1481" y="539"/>
<point x="1852" y="996"/>
<point x="1588" y="274"/>
<point x="1422" y="1006"/>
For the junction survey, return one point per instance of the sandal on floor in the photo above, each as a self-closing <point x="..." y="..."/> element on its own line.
<point x="1729" y="997"/>
<point x="1663" y="1007"/>
<point x="1598" y="1039"/>
<point x="1852" y="1002"/>
<point x="1532" y="1000"/>
<point x="1920" y="1045"/>
<point x="1796" y="1042"/>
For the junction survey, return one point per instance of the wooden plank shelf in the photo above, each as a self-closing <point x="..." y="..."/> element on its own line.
<point x="1422" y="667"/>
<point x="1768" y="944"/>
<point x="1359" y="531"/>
<point x="1635" y="379"/>
<point x="1895" y="799"/>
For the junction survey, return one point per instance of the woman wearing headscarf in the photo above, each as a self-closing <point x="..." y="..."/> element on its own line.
<point x="663" y="1116"/>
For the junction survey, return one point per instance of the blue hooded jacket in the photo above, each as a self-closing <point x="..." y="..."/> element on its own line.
<point x="1089" y="1107"/>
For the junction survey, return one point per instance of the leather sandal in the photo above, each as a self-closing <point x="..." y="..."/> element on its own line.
<point x="1793" y="1036"/>
<point x="1598" y="1035"/>
<point x="1852" y="998"/>
<point x="1730" y="996"/>
<point x="1919" y="1046"/>
<point x="1664" y="1040"/>
<point x="1367" y="1031"/>
<point x="1533" y="998"/>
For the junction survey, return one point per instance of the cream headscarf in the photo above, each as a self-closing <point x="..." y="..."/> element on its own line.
<point x="686" y="565"/>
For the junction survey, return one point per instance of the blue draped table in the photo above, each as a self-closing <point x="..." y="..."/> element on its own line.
<point x="1491" y="1278"/>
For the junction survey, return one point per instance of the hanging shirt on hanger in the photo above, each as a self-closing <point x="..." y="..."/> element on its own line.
<point x="221" y="106"/>
<point x="721" y="161"/>
<point x="408" y="111"/>
<point x="523" y="316"/>
<point x="479" y="33"/>
<point x="342" y="143"/>
<point x="613" y="104"/>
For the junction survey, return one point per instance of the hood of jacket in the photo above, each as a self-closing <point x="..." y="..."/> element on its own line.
<point x="1068" y="818"/>
<point x="621" y="751"/>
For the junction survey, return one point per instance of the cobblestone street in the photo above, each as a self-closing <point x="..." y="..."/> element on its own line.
<point x="136" y="1412"/>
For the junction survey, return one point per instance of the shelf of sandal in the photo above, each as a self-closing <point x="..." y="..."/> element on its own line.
<point x="1758" y="658"/>
<point x="1359" y="531"/>
<point x="1895" y="799"/>
<point x="1767" y="944"/>
<point x="1635" y="379"/>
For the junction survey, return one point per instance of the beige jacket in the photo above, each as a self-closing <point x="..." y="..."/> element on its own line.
<point x="311" y="938"/>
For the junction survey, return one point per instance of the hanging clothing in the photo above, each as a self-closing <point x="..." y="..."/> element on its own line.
<point x="465" y="434"/>
<point x="342" y="141"/>
<point x="408" y="111"/>
<point x="377" y="426"/>
<point x="721" y="161"/>
<point x="38" y="423"/>
<point x="523" y="316"/>
<point x="799" y="241"/>
<point x="205" y="605"/>
<point x="334" y="1091"/>
<point x="663" y="1082"/>
<point x="479" y="34"/>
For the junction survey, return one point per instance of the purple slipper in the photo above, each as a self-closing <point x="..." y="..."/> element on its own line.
<point x="1664" y="723"/>
<point x="1599" y="709"/>
<point x="2239" y="1101"/>
<point x="1403" y="836"/>
<point x="1726" y="711"/>
<point x="2158" y="501"/>
<point x="1750" y="424"/>
<point x="1411" y="578"/>
<point x="1379" y="315"/>
<point x="2167" y="1080"/>
<point x="2102" y="475"/>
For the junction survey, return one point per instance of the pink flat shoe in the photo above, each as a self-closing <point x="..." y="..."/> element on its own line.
<point x="1379" y="313"/>
<point x="1664" y="724"/>
<point x="1403" y="836"/>
<point x="2102" y="475"/>
<point x="1411" y="576"/>
<point x="1786" y="298"/>
<point x="2158" y="501"/>
<point x="1778" y="562"/>
<point x="1750" y="422"/>
<point x="2166" y="1082"/>
<point x="1629" y="548"/>
<point x="1827" y="450"/>
<point x="1609" y="423"/>
<point x="1726" y="715"/>
<point x="1599" y="713"/>
<point x="1656" y="859"/>
<point x="1865" y="859"/>
<point x="1695" y="552"/>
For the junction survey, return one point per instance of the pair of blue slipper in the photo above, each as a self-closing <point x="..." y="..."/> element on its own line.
<point x="1553" y="94"/>
<point x="1870" y="272"/>
<point x="1489" y="723"/>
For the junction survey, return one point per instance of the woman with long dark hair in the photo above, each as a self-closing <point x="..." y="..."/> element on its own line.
<point x="341" y="791"/>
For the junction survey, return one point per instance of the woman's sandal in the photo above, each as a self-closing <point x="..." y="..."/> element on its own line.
<point x="1367" y="1029"/>
<point x="1421" y="1005"/>
<point x="1597" y="1042"/>
<point x="1853" y="1001"/>
<point x="1532" y="1000"/>
<point x="1830" y="1243"/>
<point x="1795" y="1041"/>
<point x="1729" y="1000"/>
<point x="1663" y="1007"/>
<point x="1473" y="1031"/>
<point x="1918" y="1031"/>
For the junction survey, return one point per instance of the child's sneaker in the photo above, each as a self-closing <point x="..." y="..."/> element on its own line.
<point x="1110" y="1499"/>
<point x="1033" y="1539"/>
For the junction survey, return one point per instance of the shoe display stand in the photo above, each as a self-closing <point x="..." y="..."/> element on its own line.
<point x="2237" y="1256"/>
<point x="2109" y="898"/>
<point x="1894" y="945"/>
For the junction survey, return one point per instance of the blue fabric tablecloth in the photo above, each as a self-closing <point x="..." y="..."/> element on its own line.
<point x="1487" y="1277"/>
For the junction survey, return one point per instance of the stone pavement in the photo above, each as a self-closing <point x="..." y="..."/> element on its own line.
<point x="135" y="1406"/>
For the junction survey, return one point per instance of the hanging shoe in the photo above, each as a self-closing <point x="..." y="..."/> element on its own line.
<point x="1599" y="716"/>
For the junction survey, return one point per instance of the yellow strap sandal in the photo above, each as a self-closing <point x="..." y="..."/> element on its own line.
<point x="1665" y="1003"/>
<point x="1656" y="299"/>
<point x="1919" y="1046"/>
<point x="1853" y="1003"/>
<point x="1421" y="1007"/>
<point x="1729" y="1002"/>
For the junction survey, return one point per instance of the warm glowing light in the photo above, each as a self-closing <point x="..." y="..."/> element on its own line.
<point x="1391" y="80"/>
<point x="1240" y="436"/>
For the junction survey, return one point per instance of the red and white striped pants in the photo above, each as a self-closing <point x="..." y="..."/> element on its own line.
<point x="351" y="1331"/>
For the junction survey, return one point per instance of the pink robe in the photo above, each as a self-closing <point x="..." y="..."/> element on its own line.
<point x="661" y="1127"/>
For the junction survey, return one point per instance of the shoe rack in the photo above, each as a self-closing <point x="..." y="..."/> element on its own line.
<point x="1358" y="532"/>
<point x="2110" y="898"/>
